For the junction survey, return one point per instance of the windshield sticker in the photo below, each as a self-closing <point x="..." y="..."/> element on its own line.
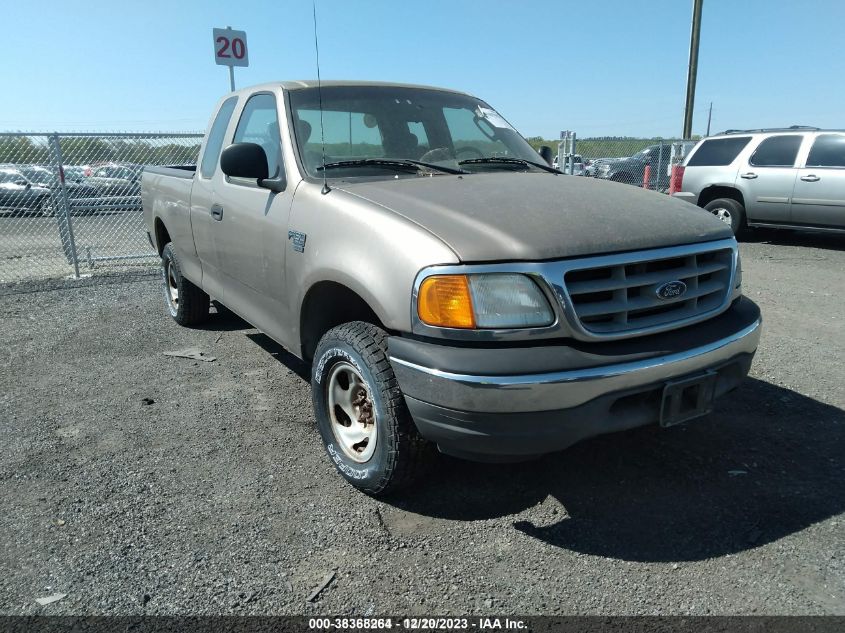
<point x="493" y="118"/>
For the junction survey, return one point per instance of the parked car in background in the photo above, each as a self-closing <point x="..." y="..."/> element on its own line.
<point x="19" y="196"/>
<point x="116" y="179"/>
<point x="780" y="177"/>
<point x="578" y="168"/>
<point x="631" y="170"/>
<point x="75" y="173"/>
<point x="80" y="195"/>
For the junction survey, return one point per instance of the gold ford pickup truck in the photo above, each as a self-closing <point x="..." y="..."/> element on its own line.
<point x="450" y="289"/>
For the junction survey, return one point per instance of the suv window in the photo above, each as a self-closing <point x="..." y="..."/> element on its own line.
<point x="215" y="138"/>
<point x="828" y="151"/>
<point x="260" y="124"/>
<point x="718" y="152"/>
<point x="776" y="151"/>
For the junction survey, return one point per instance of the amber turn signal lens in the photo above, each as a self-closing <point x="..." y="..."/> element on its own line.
<point x="444" y="301"/>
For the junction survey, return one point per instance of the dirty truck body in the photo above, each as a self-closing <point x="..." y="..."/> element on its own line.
<point x="448" y="287"/>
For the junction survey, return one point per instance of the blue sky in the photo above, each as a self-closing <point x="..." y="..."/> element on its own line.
<point x="611" y="67"/>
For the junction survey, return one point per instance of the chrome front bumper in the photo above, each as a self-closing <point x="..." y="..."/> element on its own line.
<point x="563" y="389"/>
<point x="506" y="403"/>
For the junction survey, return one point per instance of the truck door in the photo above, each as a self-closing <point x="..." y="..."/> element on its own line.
<point x="768" y="176"/>
<point x="203" y="221"/>
<point x="819" y="196"/>
<point x="251" y="234"/>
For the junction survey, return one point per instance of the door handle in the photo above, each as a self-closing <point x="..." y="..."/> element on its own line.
<point x="217" y="212"/>
<point x="810" y="178"/>
<point x="749" y="176"/>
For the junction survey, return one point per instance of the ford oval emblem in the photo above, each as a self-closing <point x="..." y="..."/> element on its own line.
<point x="671" y="290"/>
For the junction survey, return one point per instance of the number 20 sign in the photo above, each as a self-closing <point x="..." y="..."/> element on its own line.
<point x="230" y="48"/>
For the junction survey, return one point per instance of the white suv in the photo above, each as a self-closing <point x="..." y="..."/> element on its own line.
<point x="787" y="178"/>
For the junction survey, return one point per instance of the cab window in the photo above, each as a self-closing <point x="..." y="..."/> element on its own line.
<point x="259" y="124"/>
<point x="214" y="144"/>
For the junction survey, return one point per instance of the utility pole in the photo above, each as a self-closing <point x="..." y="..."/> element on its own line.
<point x="709" y="118"/>
<point x="693" y="66"/>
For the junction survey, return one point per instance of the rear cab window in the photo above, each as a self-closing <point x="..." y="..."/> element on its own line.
<point x="718" y="152"/>
<point x="214" y="143"/>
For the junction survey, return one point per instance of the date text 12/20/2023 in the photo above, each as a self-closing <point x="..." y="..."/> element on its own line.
<point x="417" y="623"/>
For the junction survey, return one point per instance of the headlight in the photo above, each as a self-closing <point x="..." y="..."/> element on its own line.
<point x="489" y="301"/>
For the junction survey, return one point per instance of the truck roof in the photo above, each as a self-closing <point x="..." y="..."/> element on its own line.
<point x="312" y="83"/>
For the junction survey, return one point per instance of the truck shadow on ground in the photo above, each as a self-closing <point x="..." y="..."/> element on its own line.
<point x="807" y="239"/>
<point x="769" y="462"/>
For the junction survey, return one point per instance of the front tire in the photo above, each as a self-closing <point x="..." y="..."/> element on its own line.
<point x="361" y="414"/>
<point x="187" y="303"/>
<point x="730" y="212"/>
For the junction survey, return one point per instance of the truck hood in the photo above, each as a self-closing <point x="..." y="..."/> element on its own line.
<point x="535" y="216"/>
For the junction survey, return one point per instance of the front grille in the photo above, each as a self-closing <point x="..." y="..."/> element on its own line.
<point x="622" y="297"/>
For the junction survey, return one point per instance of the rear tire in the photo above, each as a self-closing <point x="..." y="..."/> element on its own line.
<point x="729" y="211"/>
<point x="46" y="207"/>
<point x="187" y="303"/>
<point x="625" y="177"/>
<point x="376" y="447"/>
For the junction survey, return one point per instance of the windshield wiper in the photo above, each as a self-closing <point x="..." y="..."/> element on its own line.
<point x="504" y="160"/>
<point x="399" y="164"/>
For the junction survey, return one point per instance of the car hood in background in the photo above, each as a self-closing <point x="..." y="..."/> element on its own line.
<point x="535" y="216"/>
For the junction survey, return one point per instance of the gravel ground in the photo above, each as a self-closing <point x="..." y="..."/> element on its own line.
<point x="217" y="497"/>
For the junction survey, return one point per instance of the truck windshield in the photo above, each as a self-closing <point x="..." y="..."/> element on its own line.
<point x="413" y="124"/>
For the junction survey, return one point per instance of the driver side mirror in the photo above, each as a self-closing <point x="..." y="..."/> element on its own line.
<point x="249" y="160"/>
<point x="546" y="153"/>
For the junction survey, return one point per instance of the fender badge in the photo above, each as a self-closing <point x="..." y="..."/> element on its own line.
<point x="298" y="240"/>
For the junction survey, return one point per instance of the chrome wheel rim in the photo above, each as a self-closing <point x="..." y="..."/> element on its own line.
<point x="723" y="214"/>
<point x="171" y="287"/>
<point x="47" y="207"/>
<point x="351" y="412"/>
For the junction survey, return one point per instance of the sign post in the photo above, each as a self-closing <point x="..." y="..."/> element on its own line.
<point x="230" y="50"/>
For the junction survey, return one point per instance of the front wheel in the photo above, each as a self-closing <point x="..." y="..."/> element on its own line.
<point x="186" y="302"/>
<point x="730" y="212"/>
<point x="361" y="414"/>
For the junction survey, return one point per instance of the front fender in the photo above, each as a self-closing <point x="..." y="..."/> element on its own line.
<point x="366" y="247"/>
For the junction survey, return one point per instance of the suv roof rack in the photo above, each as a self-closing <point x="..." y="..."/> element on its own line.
<point x="791" y="128"/>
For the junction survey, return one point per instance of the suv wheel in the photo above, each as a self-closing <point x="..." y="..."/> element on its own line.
<point x="361" y="414"/>
<point x="728" y="211"/>
<point x="187" y="303"/>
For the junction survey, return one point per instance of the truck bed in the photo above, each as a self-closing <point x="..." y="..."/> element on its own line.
<point x="176" y="171"/>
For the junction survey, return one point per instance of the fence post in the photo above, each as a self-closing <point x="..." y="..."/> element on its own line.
<point x="572" y="155"/>
<point x="660" y="168"/>
<point x="63" y="212"/>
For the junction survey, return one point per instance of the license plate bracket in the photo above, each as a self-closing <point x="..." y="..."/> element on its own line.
<point x="687" y="398"/>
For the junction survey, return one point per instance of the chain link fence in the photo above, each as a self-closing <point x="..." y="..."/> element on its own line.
<point x="70" y="204"/>
<point x="642" y="162"/>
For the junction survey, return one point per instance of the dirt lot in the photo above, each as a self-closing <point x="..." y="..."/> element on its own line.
<point x="218" y="498"/>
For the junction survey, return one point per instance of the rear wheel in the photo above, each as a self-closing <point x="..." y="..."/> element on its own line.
<point x="46" y="206"/>
<point x="627" y="178"/>
<point x="187" y="303"/>
<point x="361" y="413"/>
<point x="729" y="211"/>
